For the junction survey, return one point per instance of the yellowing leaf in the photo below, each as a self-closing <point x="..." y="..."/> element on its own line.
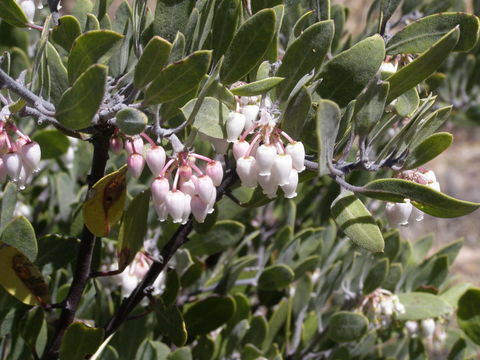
<point x="21" y="278"/>
<point x="105" y="202"/>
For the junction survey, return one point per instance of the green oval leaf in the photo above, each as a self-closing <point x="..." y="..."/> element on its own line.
<point x="428" y="149"/>
<point x="468" y="314"/>
<point x="275" y="277"/>
<point x="248" y="46"/>
<point x="171" y="323"/>
<point x="420" y="35"/>
<point x="423" y="66"/>
<point x="345" y="326"/>
<point x="376" y="276"/>
<point x="258" y="87"/>
<point x="370" y="106"/>
<point x="356" y="222"/>
<point x="210" y="118"/>
<point x="53" y="143"/>
<point x="208" y="314"/>
<point x="304" y="54"/>
<point x="407" y="103"/>
<point x="90" y="48"/>
<point x="131" y="121"/>
<point x="58" y="73"/>
<point x="12" y="13"/>
<point x="153" y="59"/>
<point x="80" y="341"/>
<point x="8" y="201"/>
<point x="296" y="113"/>
<point x="178" y="78"/>
<point x="426" y="199"/>
<point x="19" y="233"/>
<point x="349" y="72"/>
<point x="227" y="15"/>
<point x="422" y="305"/>
<point x="66" y="32"/>
<point x="80" y="103"/>
<point x="328" y="122"/>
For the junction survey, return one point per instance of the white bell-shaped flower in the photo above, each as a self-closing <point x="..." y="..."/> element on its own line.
<point x="235" y="125"/>
<point x="265" y="156"/>
<point x="13" y="164"/>
<point x="188" y="186"/>
<point x="417" y="214"/>
<point x="386" y="307"/>
<point x="429" y="176"/>
<point x="3" y="172"/>
<point x="290" y="189"/>
<point x="31" y="155"/>
<point x="134" y="145"/>
<point x="161" y="210"/>
<point x="155" y="157"/>
<point x="412" y="327"/>
<point x="199" y="208"/>
<point x="135" y="163"/>
<point x="187" y="210"/>
<point x="281" y="168"/>
<point x="251" y="114"/>
<point x="214" y="169"/>
<point x="269" y="185"/>
<point x="428" y="328"/>
<point x="204" y="187"/>
<point x="398" y="213"/>
<point x="434" y="185"/>
<point x="28" y="7"/>
<point x="159" y="189"/>
<point x="247" y="171"/>
<point x="175" y="201"/>
<point x="23" y="178"/>
<point x="211" y="202"/>
<point x="240" y="148"/>
<point x="297" y="151"/>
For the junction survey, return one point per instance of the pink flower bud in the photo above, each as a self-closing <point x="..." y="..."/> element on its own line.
<point x="281" y="168"/>
<point x="3" y="172"/>
<point x="135" y="163"/>
<point x="398" y="213"/>
<point x="161" y="210"/>
<point x="134" y="145"/>
<point x="251" y="114"/>
<point x="188" y="186"/>
<point x="159" y="188"/>
<point x="235" y="125"/>
<point x="204" y="187"/>
<point x="290" y="189"/>
<point x="199" y="209"/>
<point x="269" y="185"/>
<point x="28" y="7"/>
<point x="265" y="156"/>
<point x="240" y="149"/>
<point x="247" y="171"/>
<point x="13" y="164"/>
<point x="31" y="155"/>
<point x="219" y="145"/>
<point x="214" y="169"/>
<point x="297" y="152"/>
<point x="155" y="158"/>
<point x="187" y="210"/>
<point x="185" y="172"/>
<point x="175" y="201"/>
<point x="116" y="144"/>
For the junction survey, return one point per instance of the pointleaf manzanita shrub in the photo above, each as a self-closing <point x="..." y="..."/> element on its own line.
<point x="225" y="179"/>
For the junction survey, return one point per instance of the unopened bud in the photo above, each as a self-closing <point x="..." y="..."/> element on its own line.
<point x="134" y="145"/>
<point x="155" y="158"/>
<point x="214" y="169"/>
<point x="281" y="168"/>
<point x="265" y="156"/>
<point x="235" y="125"/>
<point x="297" y="152"/>
<point x="185" y="172"/>
<point x="135" y="163"/>
<point x="204" y="187"/>
<point x="116" y="144"/>
<point x="398" y="213"/>
<point x="188" y="186"/>
<point x="175" y="201"/>
<point x="247" y="171"/>
<point x="159" y="189"/>
<point x="240" y="149"/>
<point x="31" y="155"/>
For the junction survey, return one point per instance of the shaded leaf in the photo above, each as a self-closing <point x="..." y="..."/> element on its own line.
<point x="345" y="326"/>
<point x="53" y="143"/>
<point x="12" y="13"/>
<point x="422" y="305"/>
<point x="131" y="121"/>
<point x="275" y="277"/>
<point x="208" y="314"/>
<point x="19" y="233"/>
<point x="79" y="341"/>
<point x="67" y="30"/>
<point x="428" y="149"/>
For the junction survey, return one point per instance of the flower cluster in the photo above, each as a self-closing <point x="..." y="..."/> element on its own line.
<point x="429" y="329"/>
<point x="20" y="156"/>
<point x="265" y="159"/>
<point x="382" y="306"/>
<point x="191" y="190"/>
<point x="400" y="213"/>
